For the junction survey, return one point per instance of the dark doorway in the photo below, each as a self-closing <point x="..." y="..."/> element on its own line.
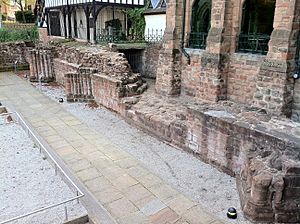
<point x="135" y="59"/>
<point x="54" y="23"/>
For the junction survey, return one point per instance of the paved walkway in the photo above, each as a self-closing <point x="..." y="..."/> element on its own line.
<point x="128" y="191"/>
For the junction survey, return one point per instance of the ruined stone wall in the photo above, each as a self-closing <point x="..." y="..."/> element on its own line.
<point x="41" y="64"/>
<point x="150" y="60"/>
<point x="241" y="71"/>
<point x="109" y="78"/>
<point x="266" y="162"/>
<point x="242" y="77"/>
<point x="296" y="101"/>
<point x="61" y="68"/>
<point x="107" y="91"/>
<point x="201" y="77"/>
<point x="263" y="153"/>
<point x="10" y="53"/>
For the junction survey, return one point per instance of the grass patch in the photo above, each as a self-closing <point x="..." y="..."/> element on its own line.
<point x="19" y="34"/>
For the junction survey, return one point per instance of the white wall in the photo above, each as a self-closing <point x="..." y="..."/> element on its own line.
<point x="155" y="22"/>
<point x="106" y="14"/>
<point x="81" y="24"/>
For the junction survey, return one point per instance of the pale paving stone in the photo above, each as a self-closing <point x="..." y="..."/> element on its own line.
<point x="164" y="192"/>
<point x="113" y="172"/>
<point x="94" y="156"/>
<point x="124" y="181"/>
<point x="59" y="144"/>
<point x="80" y="165"/>
<point x="197" y="215"/>
<point x="180" y="204"/>
<point x="65" y="151"/>
<point x="39" y="123"/>
<point x="48" y="133"/>
<point x="136" y="193"/>
<point x="53" y="138"/>
<point x="149" y="180"/>
<point x="71" y="158"/>
<point x="121" y="207"/>
<point x="86" y="149"/>
<point x="98" y="184"/>
<point x="126" y="163"/>
<point x="143" y="202"/>
<point x="88" y="174"/>
<point x="137" y="171"/>
<point x="44" y="128"/>
<point x="102" y="163"/>
<point x="77" y="143"/>
<point x="73" y="122"/>
<point x="152" y="207"/>
<point x="115" y="154"/>
<point x="108" y="195"/>
<point x="134" y="218"/>
<point x="165" y="216"/>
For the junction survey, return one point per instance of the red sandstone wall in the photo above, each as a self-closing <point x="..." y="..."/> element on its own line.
<point x="62" y="67"/>
<point x="107" y="91"/>
<point x="241" y="77"/>
<point x="193" y="78"/>
<point x="198" y="80"/>
<point x="151" y="56"/>
<point x="11" y="52"/>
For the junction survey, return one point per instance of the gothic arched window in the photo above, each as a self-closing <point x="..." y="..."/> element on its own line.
<point x="200" y="23"/>
<point x="256" y="25"/>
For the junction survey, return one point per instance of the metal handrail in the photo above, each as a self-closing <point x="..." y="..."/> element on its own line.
<point x="80" y="194"/>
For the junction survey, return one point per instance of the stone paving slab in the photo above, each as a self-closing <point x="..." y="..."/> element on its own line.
<point x="128" y="191"/>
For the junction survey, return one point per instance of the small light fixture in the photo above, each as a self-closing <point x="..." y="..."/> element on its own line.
<point x="231" y="213"/>
<point x="61" y="100"/>
<point x="296" y="75"/>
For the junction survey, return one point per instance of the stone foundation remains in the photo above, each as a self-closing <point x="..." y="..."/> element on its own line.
<point x="41" y="64"/>
<point x="14" y="55"/>
<point x="242" y="140"/>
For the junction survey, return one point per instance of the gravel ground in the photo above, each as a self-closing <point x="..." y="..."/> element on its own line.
<point x="28" y="181"/>
<point x="204" y="184"/>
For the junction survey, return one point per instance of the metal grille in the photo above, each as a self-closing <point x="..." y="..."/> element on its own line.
<point x="254" y="43"/>
<point x="197" y="40"/>
<point x="115" y="36"/>
<point x="135" y="59"/>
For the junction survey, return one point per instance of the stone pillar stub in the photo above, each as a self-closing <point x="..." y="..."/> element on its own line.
<point x="275" y="85"/>
<point x="168" y="78"/>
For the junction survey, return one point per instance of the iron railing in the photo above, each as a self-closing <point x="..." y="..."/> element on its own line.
<point x="197" y="40"/>
<point x="114" y="36"/>
<point x="42" y="148"/>
<point x="254" y="43"/>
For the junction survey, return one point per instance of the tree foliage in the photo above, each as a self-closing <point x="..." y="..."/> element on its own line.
<point x="136" y="16"/>
<point x="28" y="14"/>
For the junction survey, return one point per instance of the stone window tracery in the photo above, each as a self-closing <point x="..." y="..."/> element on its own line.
<point x="200" y="23"/>
<point x="256" y="25"/>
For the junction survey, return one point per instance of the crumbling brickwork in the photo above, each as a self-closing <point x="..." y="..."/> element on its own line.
<point x="296" y="102"/>
<point x="78" y="85"/>
<point x="240" y="84"/>
<point x="151" y="60"/>
<point x="11" y="53"/>
<point x="41" y="64"/>
<point x="264" y="159"/>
